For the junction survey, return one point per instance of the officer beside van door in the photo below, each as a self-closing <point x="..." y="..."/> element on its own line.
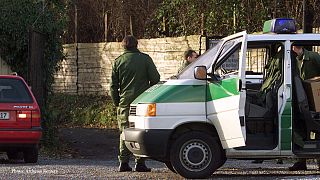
<point x="308" y="62"/>
<point x="308" y="66"/>
<point x="133" y="72"/>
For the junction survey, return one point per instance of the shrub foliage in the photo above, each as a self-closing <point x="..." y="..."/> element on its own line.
<point x="17" y="18"/>
<point x="82" y="111"/>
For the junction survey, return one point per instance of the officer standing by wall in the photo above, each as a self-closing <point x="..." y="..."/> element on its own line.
<point x="132" y="73"/>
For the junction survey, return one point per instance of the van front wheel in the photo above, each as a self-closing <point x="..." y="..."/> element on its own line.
<point x="195" y="155"/>
<point x="169" y="166"/>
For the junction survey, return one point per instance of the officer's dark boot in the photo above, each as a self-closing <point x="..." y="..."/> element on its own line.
<point x="124" y="167"/>
<point x="141" y="167"/>
<point x="300" y="165"/>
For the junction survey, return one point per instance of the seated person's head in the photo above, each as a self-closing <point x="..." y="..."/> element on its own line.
<point x="190" y="55"/>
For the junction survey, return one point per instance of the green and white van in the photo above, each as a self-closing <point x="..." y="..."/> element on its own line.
<point x="211" y="112"/>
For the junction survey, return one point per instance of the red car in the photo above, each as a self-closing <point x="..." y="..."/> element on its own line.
<point x="20" y="119"/>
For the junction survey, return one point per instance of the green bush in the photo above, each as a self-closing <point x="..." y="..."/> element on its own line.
<point x="82" y="111"/>
<point x="20" y="16"/>
<point x="65" y="110"/>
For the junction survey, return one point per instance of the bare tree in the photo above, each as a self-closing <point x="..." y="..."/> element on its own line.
<point x="156" y="18"/>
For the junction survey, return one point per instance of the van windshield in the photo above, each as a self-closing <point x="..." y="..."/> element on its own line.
<point x="204" y="60"/>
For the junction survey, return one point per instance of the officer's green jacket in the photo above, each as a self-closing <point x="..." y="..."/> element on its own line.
<point x="132" y="73"/>
<point x="308" y="64"/>
<point x="273" y="72"/>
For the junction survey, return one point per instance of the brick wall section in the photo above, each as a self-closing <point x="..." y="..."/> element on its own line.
<point x="95" y="62"/>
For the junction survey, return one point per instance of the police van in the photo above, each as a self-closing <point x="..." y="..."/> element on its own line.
<point x="212" y="111"/>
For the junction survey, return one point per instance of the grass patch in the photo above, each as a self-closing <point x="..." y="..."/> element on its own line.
<point x="82" y="111"/>
<point x="65" y="110"/>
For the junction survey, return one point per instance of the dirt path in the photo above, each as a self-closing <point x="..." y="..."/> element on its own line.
<point x="91" y="143"/>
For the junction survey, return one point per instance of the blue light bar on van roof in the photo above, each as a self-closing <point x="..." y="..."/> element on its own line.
<point x="280" y="26"/>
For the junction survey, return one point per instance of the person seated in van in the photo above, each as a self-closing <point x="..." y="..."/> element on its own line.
<point x="308" y="66"/>
<point x="266" y="93"/>
<point x="189" y="57"/>
<point x="273" y="76"/>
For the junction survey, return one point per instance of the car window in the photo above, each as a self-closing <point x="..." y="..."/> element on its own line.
<point x="256" y="59"/>
<point x="14" y="91"/>
<point x="207" y="58"/>
<point x="204" y="60"/>
<point x="227" y="46"/>
<point x="230" y="65"/>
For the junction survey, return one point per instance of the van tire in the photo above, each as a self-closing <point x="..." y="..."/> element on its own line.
<point x="169" y="166"/>
<point x="196" y="155"/>
<point x="30" y="154"/>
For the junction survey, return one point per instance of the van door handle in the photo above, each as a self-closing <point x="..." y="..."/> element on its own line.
<point x="240" y="85"/>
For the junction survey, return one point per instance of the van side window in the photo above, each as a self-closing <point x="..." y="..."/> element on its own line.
<point x="230" y="64"/>
<point x="316" y="49"/>
<point x="256" y="59"/>
<point x="259" y="57"/>
<point x="227" y="62"/>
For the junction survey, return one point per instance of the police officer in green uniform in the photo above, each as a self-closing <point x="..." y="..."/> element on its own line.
<point x="266" y="94"/>
<point x="308" y="66"/>
<point x="308" y="62"/>
<point x="132" y="73"/>
<point x="273" y="72"/>
<point x="189" y="57"/>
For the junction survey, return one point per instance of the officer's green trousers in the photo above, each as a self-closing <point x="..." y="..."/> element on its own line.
<point x="123" y="122"/>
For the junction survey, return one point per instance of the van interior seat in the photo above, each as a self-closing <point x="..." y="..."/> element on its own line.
<point x="255" y="111"/>
<point x="267" y="108"/>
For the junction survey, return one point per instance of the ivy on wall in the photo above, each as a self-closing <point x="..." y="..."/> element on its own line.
<point x="17" y="18"/>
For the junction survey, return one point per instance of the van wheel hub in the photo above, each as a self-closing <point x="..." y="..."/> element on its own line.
<point x="195" y="155"/>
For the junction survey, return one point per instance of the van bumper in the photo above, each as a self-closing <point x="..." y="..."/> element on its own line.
<point x="148" y="143"/>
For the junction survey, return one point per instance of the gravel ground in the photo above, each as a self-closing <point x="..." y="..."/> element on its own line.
<point x="48" y="168"/>
<point x="94" y="157"/>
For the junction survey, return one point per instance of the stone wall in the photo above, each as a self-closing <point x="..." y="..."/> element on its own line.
<point x="93" y="70"/>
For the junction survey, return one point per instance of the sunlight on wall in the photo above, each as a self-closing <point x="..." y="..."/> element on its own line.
<point x="95" y="62"/>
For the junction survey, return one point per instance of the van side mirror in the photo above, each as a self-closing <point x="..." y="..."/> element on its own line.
<point x="200" y="72"/>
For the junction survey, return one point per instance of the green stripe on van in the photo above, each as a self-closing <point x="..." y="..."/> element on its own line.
<point x="222" y="89"/>
<point x="189" y="93"/>
<point x="173" y="94"/>
<point x="286" y="130"/>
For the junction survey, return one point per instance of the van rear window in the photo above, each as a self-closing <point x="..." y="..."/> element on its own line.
<point x="14" y="91"/>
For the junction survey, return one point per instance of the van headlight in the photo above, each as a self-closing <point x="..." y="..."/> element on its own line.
<point x="147" y="109"/>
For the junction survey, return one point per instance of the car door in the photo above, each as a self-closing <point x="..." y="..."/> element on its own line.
<point x="226" y="92"/>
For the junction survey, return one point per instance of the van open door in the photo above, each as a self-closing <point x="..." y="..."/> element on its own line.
<point x="226" y="91"/>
